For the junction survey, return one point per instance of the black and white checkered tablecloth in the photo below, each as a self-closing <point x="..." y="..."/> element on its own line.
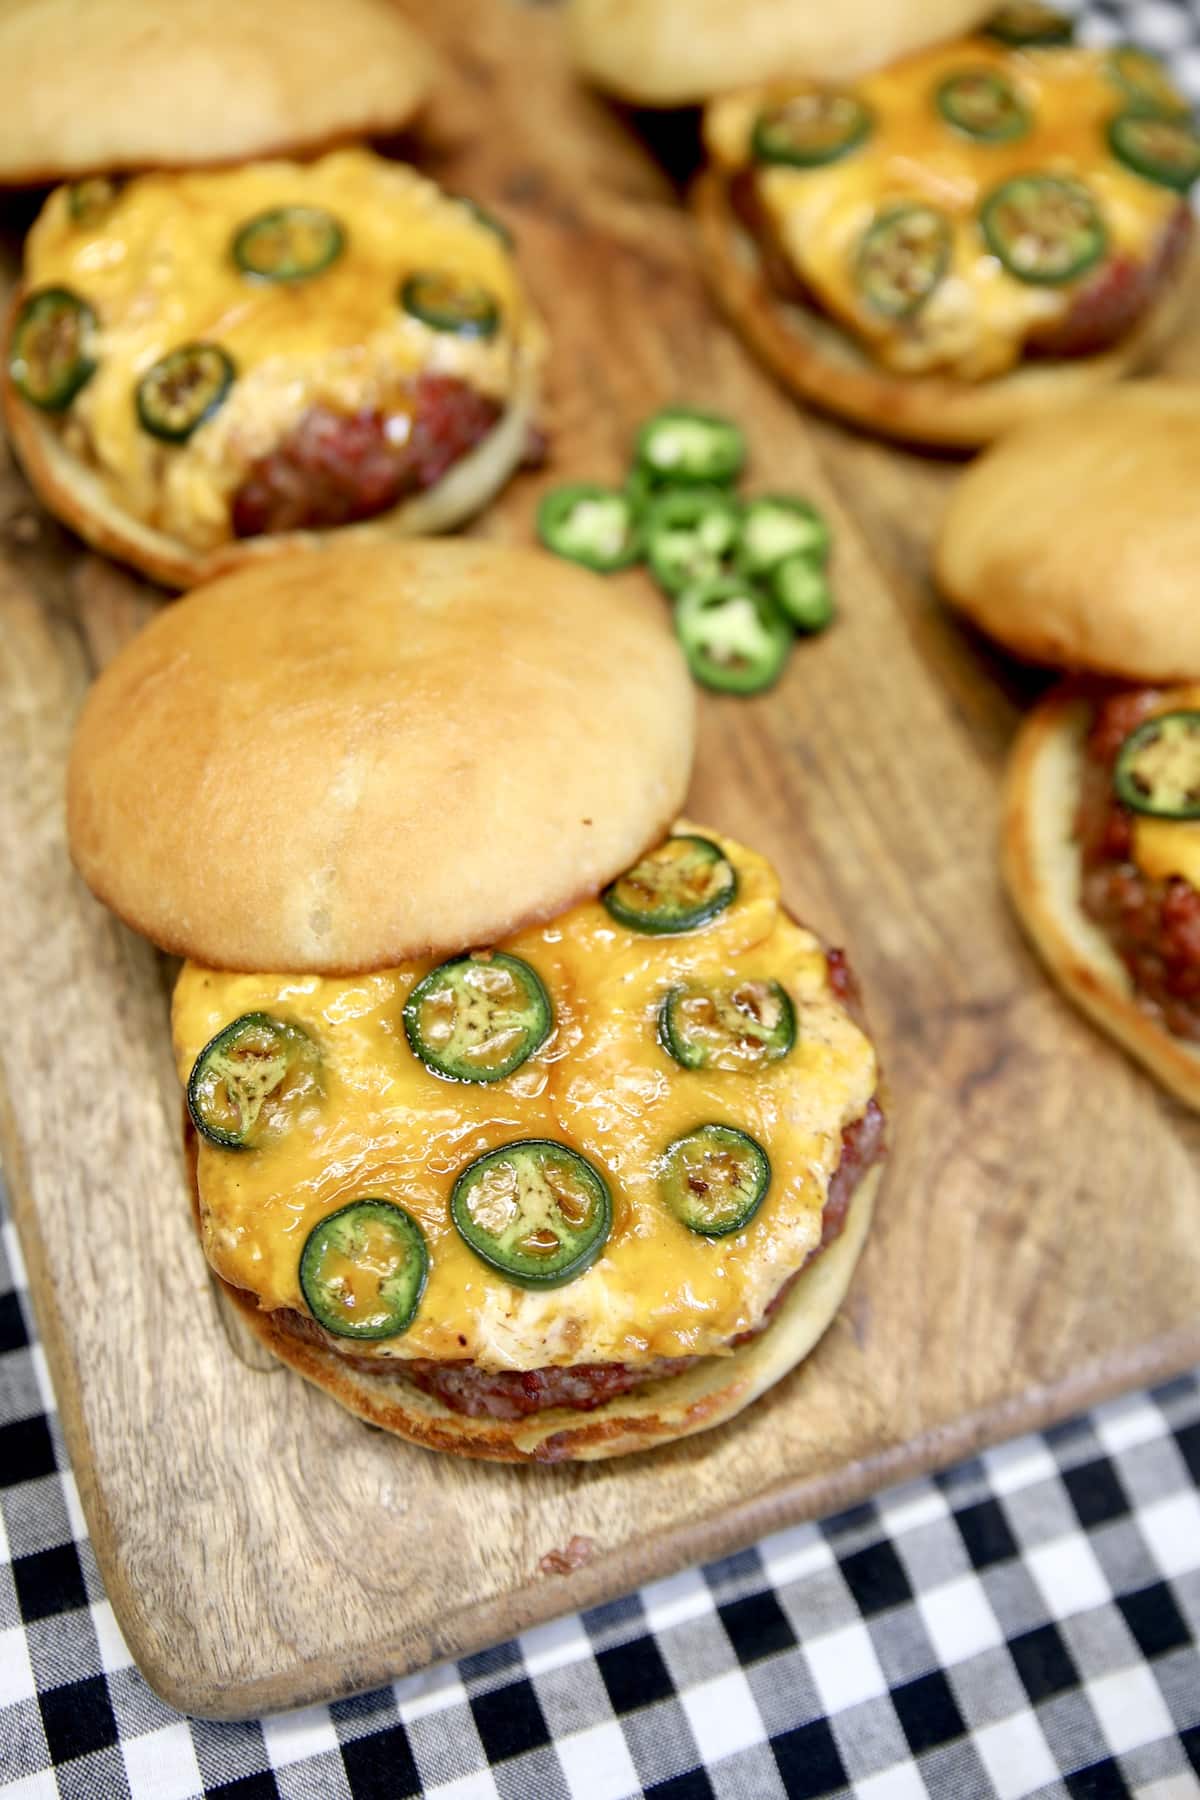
<point x="1026" y="1625"/>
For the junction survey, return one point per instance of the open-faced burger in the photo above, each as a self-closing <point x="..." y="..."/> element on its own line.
<point x="522" y="1116"/>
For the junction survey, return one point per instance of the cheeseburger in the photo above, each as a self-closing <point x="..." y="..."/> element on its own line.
<point x="207" y="364"/>
<point x="521" y="1115"/>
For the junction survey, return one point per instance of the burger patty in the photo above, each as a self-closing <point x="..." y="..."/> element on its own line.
<point x="516" y="1393"/>
<point x="1154" y="926"/>
<point x="338" y="468"/>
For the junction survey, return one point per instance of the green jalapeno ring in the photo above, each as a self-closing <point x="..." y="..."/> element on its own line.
<point x="448" y="303"/>
<point x="690" y="535"/>
<point x="1160" y="148"/>
<point x="983" y="105"/>
<point x="733" y="635"/>
<point x="184" y="389"/>
<point x="247" y="1062"/>
<point x="487" y="219"/>
<point x="1143" y="81"/>
<point x="88" y="200"/>
<point x="1157" y="770"/>
<point x="485" y="995"/>
<point x="288" y="243"/>
<point x="775" y="526"/>
<point x="801" y="591"/>
<point x="681" y="884"/>
<point x="714" y="1179"/>
<point x="732" y="1026"/>
<point x="594" y="526"/>
<point x="345" y="1234"/>
<point x="683" y="447"/>
<point x="902" y="257"/>
<point x="811" y="129"/>
<point x="534" y="1210"/>
<point x="1027" y="22"/>
<point x="47" y="359"/>
<point x="1008" y="218"/>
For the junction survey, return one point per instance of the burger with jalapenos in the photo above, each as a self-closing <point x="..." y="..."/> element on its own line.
<point x="522" y="1119"/>
<point x="205" y="365"/>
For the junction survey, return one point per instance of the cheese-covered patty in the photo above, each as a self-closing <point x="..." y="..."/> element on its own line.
<point x="975" y="318"/>
<point x="376" y="1122"/>
<point x="160" y="264"/>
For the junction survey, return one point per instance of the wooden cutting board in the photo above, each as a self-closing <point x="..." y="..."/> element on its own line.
<point x="1036" y="1245"/>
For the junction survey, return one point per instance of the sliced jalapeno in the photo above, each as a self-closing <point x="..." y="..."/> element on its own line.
<point x="731" y="1025"/>
<point x="478" y="1017"/>
<point x="1164" y="150"/>
<point x="775" y="526"/>
<point x="690" y="535"/>
<point x="448" y="302"/>
<point x="246" y="1079"/>
<point x="1028" y="22"/>
<point x="684" y="882"/>
<point x="363" y="1270"/>
<point x="802" y="593"/>
<point x="685" y="447"/>
<point x="1045" y="229"/>
<point x="1144" y="82"/>
<point x="487" y="219"/>
<point x="48" y="357"/>
<point x="288" y="243"/>
<point x="595" y="526"/>
<point x="714" y="1179"/>
<point x="90" y="199"/>
<point x="533" y="1210"/>
<point x="901" y="258"/>
<point x="810" y="129"/>
<point x="734" y="636"/>
<point x="178" y="394"/>
<point x="1157" y="770"/>
<point x="983" y="104"/>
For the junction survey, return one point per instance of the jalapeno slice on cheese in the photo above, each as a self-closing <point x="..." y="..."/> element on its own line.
<point x="1157" y="771"/>
<point x="88" y="200"/>
<point x="534" y="1210"/>
<point x="775" y="526"/>
<point x="247" y="1079"/>
<point x="288" y="243"/>
<point x="450" y="303"/>
<point x="178" y="394"/>
<point x="714" y="1179"/>
<point x="487" y="219"/>
<point x="690" y="535"/>
<point x="1045" y="229"/>
<point x="683" y="883"/>
<point x="1029" y="22"/>
<point x="1163" y="150"/>
<point x="901" y="258"/>
<point x="363" y="1270"/>
<point x="984" y="105"/>
<point x="731" y="1025"/>
<point x="733" y="634"/>
<point x="592" y="525"/>
<point x="811" y="129"/>
<point x="685" y="447"/>
<point x="48" y="356"/>
<point x="801" y="591"/>
<point x="1143" y="81"/>
<point x="478" y="1017"/>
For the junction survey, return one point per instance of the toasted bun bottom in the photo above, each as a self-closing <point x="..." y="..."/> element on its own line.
<point x="75" y="493"/>
<point x="711" y="1391"/>
<point x="1041" y="864"/>
<point x="821" y="363"/>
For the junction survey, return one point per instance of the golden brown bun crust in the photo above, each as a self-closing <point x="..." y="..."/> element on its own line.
<point x="74" y="493"/>
<point x="96" y="85"/>
<point x="1076" y="541"/>
<point x="1041" y="869"/>
<point x="708" y="1394"/>
<point x="676" y="52"/>
<point x="822" y="364"/>
<point x="336" y="761"/>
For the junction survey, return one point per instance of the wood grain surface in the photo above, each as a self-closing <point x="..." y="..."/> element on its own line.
<point x="1036" y="1244"/>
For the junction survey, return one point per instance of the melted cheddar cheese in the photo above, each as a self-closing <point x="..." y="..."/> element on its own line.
<point x="383" y="1125"/>
<point x="158" y="271"/>
<point x="1166" y="847"/>
<point x="978" y="318"/>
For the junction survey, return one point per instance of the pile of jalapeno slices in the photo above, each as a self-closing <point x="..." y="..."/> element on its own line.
<point x="533" y="1210"/>
<point x="744" y="575"/>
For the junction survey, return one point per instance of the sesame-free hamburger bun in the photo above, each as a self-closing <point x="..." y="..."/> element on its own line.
<point x="1075" y="542"/>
